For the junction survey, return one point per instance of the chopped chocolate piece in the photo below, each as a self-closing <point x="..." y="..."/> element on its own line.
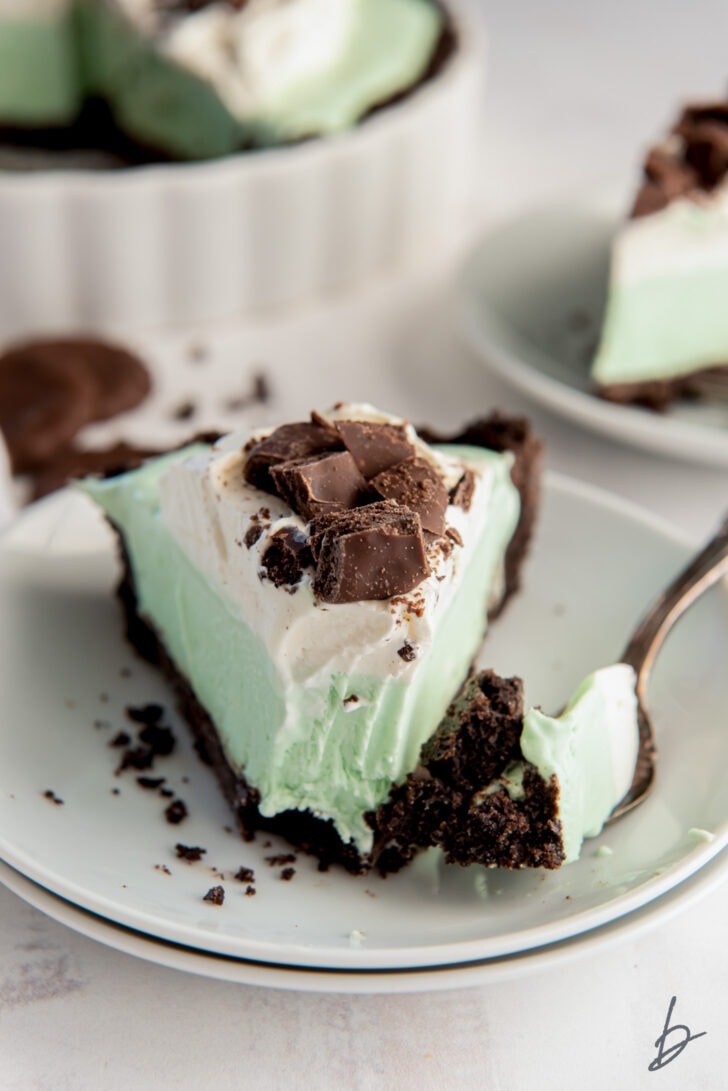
<point x="408" y="652"/>
<point x="375" y="446"/>
<point x="290" y="441"/>
<point x="216" y="895"/>
<point x="417" y="485"/>
<point x="176" y="812"/>
<point x="374" y="552"/>
<point x="150" y="782"/>
<point x="287" y="874"/>
<point x="249" y="891"/>
<point x="286" y="557"/>
<point x="454" y="535"/>
<point x="245" y="875"/>
<point x="462" y="494"/>
<point x="281" y="858"/>
<point x="322" y="483"/>
<point x="189" y="852"/>
<point x="166" y="793"/>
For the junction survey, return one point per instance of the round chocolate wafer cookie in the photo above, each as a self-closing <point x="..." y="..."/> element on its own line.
<point x="51" y="388"/>
<point x="42" y="405"/>
<point x="120" y="379"/>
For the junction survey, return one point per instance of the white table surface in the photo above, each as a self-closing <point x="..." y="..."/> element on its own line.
<point x="574" y="92"/>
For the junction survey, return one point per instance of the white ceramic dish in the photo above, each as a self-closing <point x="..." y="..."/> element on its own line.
<point x="480" y="972"/>
<point x="531" y="296"/>
<point x="176" y="244"/>
<point x="65" y="668"/>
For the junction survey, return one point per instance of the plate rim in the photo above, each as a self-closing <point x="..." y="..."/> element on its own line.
<point x="679" y="440"/>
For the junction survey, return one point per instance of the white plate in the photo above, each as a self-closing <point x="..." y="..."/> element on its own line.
<point x="531" y="296"/>
<point x="597" y="563"/>
<point x="478" y="972"/>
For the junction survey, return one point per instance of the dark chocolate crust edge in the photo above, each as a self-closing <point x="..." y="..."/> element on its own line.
<point x="659" y="394"/>
<point x="301" y="828"/>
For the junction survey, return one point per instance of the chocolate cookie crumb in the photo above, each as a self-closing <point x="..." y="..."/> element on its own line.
<point x="287" y="874"/>
<point x="189" y="852"/>
<point x="245" y="875"/>
<point x="145" y="714"/>
<point x="281" y="858"/>
<point x="162" y="867"/>
<point x="51" y="795"/>
<point x="122" y="739"/>
<point x="215" y="895"/>
<point x="150" y="782"/>
<point x="249" y="891"/>
<point x="176" y="812"/>
<point x="159" y="739"/>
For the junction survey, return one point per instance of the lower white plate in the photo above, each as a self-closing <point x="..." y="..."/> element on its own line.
<point x="478" y="972"/>
<point x="66" y="677"/>
<point x="531" y="297"/>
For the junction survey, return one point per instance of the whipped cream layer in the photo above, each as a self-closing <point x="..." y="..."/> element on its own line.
<point x="666" y="314"/>
<point x="591" y="749"/>
<point x="40" y="72"/>
<point x="321" y="706"/>
<point x="204" y="82"/>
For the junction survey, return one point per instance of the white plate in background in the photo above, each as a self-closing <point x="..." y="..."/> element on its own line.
<point x="531" y="296"/>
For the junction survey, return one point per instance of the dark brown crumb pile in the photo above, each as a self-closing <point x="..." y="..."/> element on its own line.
<point x="215" y="895"/>
<point x="454" y="800"/>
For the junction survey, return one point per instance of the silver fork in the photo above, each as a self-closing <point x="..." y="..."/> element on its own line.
<point x="702" y="572"/>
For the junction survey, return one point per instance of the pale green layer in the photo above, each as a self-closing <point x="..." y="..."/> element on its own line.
<point x="339" y="761"/>
<point x="577" y="747"/>
<point x="40" y="78"/>
<point x="165" y="106"/>
<point x="665" y="327"/>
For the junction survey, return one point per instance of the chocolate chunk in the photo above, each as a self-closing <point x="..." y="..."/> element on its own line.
<point x="160" y="739"/>
<point x="245" y="875"/>
<point x="312" y="486"/>
<point x="368" y="554"/>
<point x="375" y="446"/>
<point x="417" y="485"/>
<point x="290" y="441"/>
<point x="286" y="557"/>
<point x="408" y="652"/>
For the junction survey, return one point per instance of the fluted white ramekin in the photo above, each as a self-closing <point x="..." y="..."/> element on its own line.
<point x="169" y="244"/>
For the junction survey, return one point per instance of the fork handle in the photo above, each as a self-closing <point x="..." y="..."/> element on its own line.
<point x="702" y="572"/>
